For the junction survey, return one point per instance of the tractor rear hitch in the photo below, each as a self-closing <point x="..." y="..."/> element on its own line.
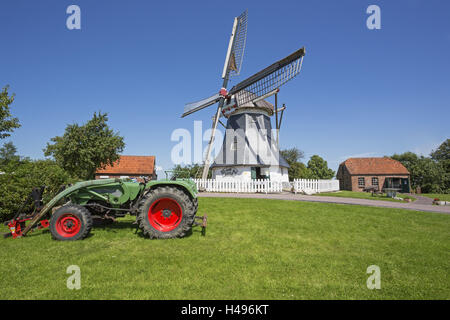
<point x="204" y="223"/>
<point x="16" y="227"/>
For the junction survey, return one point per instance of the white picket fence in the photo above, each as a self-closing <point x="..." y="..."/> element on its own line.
<point x="253" y="186"/>
<point x="308" y="186"/>
<point x="311" y="186"/>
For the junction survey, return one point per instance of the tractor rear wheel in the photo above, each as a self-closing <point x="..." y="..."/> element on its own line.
<point x="70" y="222"/>
<point x="166" y="212"/>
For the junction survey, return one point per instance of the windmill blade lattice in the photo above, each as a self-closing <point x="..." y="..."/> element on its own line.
<point x="237" y="51"/>
<point x="268" y="79"/>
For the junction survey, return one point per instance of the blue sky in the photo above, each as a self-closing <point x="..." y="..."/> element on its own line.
<point x="361" y="92"/>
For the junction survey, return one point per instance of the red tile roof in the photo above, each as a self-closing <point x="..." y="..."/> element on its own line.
<point x="130" y="165"/>
<point x="374" y="166"/>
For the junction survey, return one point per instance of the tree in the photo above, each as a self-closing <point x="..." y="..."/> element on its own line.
<point x="318" y="168"/>
<point x="442" y="156"/>
<point x="83" y="149"/>
<point x="425" y="173"/>
<point x="429" y="175"/>
<point x="442" y="153"/>
<point x="297" y="169"/>
<point x="292" y="155"/>
<point x="7" y="122"/>
<point x="408" y="159"/>
<point x="189" y="171"/>
<point x="8" y="153"/>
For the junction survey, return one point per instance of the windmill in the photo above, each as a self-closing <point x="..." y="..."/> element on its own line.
<point x="247" y="97"/>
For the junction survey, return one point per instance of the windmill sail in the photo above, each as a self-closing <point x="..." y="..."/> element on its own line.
<point x="233" y="63"/>
<point x="235" y="53"/>
<point x="268" y="79"/>
<point x="198" y="105"/>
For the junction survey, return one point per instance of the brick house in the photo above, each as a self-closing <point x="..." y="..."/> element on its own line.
<point x="355" y="174"/>
<point x="129" y="167"/>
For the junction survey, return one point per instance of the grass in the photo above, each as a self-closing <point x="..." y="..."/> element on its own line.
<point x="440" y="196"/>
<point x="363" y="195"/>
<point x="254" y="249"/>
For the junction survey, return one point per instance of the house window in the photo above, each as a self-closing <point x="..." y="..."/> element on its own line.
<point x="361" y="182"/>
<point x="375" y="182"/>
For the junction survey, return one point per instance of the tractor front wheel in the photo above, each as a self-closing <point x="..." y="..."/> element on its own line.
<point x="166" y="212"/>
<point x="70" y="222"/>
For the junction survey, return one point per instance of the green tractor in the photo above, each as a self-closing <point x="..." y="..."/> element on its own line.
<point x="164" y="209"/>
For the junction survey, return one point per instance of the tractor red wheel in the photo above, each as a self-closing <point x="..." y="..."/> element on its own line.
<point x="70" y="222"/>
<point x="68" y="225"/>
<point x="165" y="214"/>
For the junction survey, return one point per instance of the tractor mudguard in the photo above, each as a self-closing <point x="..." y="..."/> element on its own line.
<point x="187" y="185"/>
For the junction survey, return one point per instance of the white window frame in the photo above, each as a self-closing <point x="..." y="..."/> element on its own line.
<point x="377" y="180"/>
<point x="363" y="182"/>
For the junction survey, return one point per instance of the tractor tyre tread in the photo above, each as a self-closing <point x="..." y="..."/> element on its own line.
<point x="81" y="212"/>
<point x="188" y="206"/>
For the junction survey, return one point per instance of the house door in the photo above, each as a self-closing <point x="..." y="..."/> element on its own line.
<point x="405" y="185"/>
<point x="253" y="171"/>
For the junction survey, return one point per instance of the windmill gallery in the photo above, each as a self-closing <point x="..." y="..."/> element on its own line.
<point x="250" y="148"/>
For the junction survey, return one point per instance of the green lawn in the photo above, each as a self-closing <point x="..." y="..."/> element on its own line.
<point x="440" y="196"/>
<point x="363" y="195"/>
<point x="254" y="249"/>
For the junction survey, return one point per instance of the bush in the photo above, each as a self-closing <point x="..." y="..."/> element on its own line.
<point x="19" y="178"/>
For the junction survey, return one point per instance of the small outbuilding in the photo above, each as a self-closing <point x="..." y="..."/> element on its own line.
<point x="136" y="167"/>
<point x="359" y="174"/>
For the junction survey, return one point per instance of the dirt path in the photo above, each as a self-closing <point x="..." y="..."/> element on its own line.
<point x="416" y="205"/>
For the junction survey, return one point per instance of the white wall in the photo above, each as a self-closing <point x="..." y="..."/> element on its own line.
<point x="279" y="174"/>
<point x="243" y="173"/>
<point x="240" y="173"/>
